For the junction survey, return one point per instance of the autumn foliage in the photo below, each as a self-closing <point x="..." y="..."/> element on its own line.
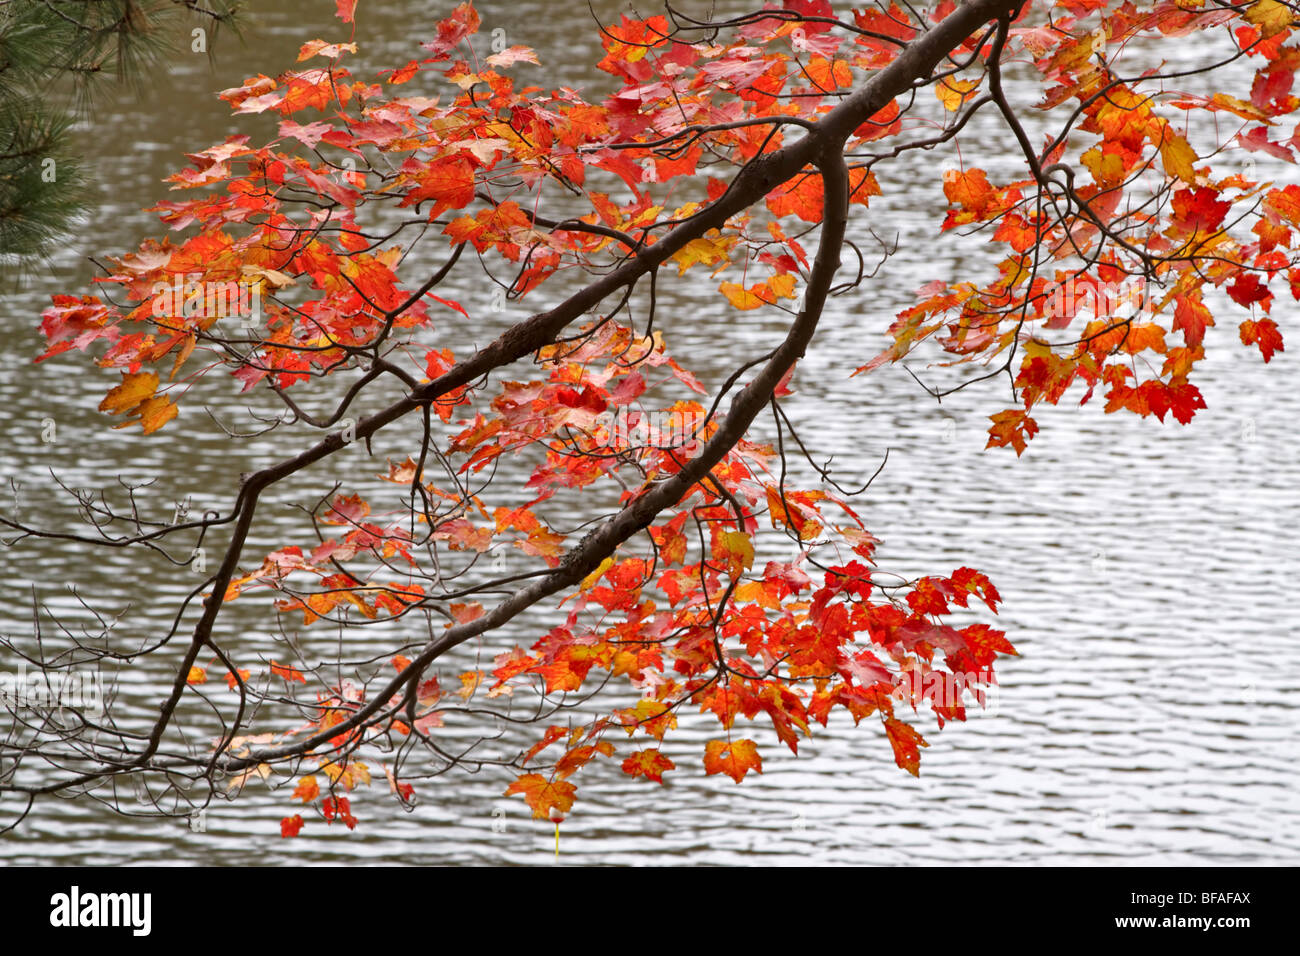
<point x="740" y="150"/>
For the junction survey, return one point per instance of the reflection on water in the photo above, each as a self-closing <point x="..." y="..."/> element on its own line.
<point x="1146" y="570"/>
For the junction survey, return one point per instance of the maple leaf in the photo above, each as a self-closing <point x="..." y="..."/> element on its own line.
<point x="469" y="683"/>
<point x="76" y="322"/>
<point x="402" y="74"/>
<point x="1018" y="232"/>
<point x="882" y="124"/>
<point x="331" y="51"/>
<point x="828" y="74"/>
<point x="762" y="293"/>
<point x="1184" y="400"/>
<point x="706" y="250"/>
<point x="1178" y="157"/>
<point x="405" y="792"/>
<point x="969" y="581"/>
<point x="1142" y="336"/>
<point x="135" y="397"/>
<point x="1284" y="203"/>
<point x="952" y="93"/>
<point x="449" y="182"/>
<point x="1270" y="16"/>
<point x="287" y="673"/>
<point x="464" y="613"/>
<point x="1012" y="427"/>
<point x="338" y="808"/>
<point x="154" y="412"/>
<point x="290" y="826"/>
<point x="511" y="56"/>
<point x="549" y="799"/>
<point x="307" y="789"/>
<point x="1263" y="333"/>
<point x="1198" y="211"/>
<point x="134" y="389"/>
<point x="985" y="643"/>
<point x="671" y="541"/>
<point x="969" y="189"/>
<point x="802" y="197"/>
<point x="650" y="764"/>
<point x="905" y="740"/>
<point x="652" y="717"/>
<point x="734" y="758"/>
<point x="551" y="736"/>
<point x="927" y="598"/>
<point x="865" y="669"/>
<point x="738" y="550"/>
<point x="862" y="186"/>
<point x="1246" y="290"/>
<point x="349" y="510"/>
<point x="1191" y="317"/>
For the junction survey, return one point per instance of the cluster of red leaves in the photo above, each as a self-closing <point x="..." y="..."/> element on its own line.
<point x="777" y="654"/>
<point x="689" y="621"/>
<point x="1130" y="271"/>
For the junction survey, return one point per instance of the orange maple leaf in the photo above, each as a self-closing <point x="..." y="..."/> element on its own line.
<point x="307" y="790"/>
<point x="1012" y="427"/>
<point x="544" y="795"/>
<point x="905" y="739"/>
<point x="650" y="764"/>
<point x="734" y="758"/>
<point x="290" y="674"/>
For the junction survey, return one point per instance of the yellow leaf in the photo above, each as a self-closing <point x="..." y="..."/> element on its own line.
<point x="156" y="412"/>
<point x="1239" y="107"/>
<point x="952" y="92"/>
<point x="1037" y="348"/>
<point x="704" y="250"/>
<point x="739" y="550"/>
<point x="762" y="293"/>
<point x="1270" y="16"/>
<point x="1178" y="156"/>
<point x="782" y="286"/>
<point x="1107" y="168"/>
<point x="590" y="580"/>
<point x="135" y="388"/>
<point x="469" y="682"/>
<point x="739" y="296"/>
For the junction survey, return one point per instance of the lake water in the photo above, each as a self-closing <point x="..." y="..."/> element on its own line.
<point x="1147" y="570"/>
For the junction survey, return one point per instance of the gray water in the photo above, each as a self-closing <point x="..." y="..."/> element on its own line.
<point x="1147" y="570"/>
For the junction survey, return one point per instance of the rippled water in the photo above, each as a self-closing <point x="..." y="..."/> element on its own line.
<point x="1147" y="570"/>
